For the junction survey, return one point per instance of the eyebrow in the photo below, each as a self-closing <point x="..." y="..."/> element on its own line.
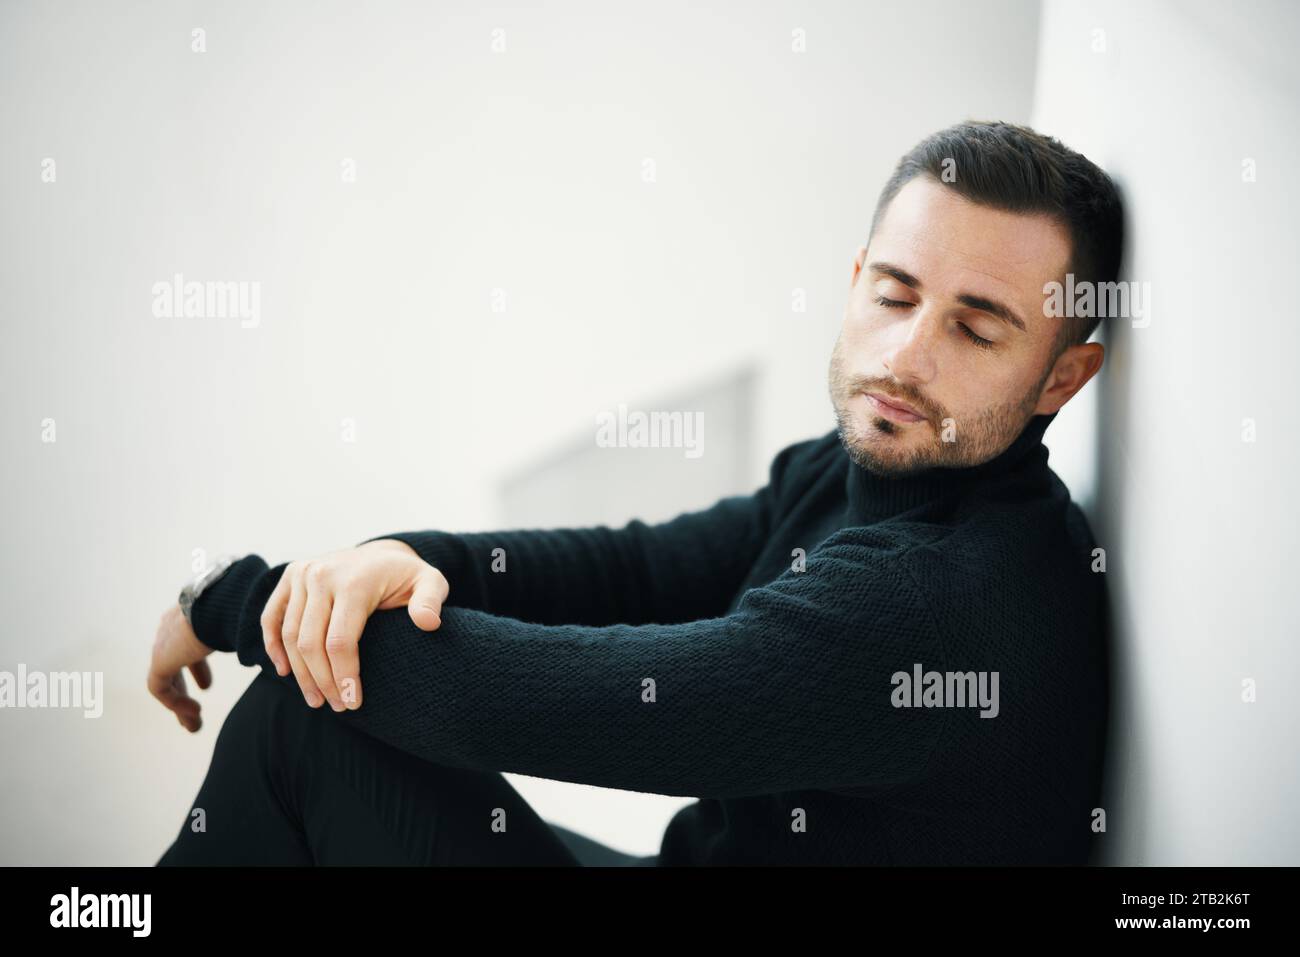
<point x="983" y="304"/>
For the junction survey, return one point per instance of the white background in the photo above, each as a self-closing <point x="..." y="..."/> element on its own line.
<point x="522" y="170"/>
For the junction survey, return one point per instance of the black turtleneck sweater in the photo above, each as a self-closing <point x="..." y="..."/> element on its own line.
<point x="751" y="655"/>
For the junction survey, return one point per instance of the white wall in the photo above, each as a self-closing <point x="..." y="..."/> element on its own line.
<point x="1200" y="526"/>
<point x="475" y="170"/>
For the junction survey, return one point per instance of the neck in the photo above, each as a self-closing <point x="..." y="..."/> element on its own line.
<point x="874" y="497"/>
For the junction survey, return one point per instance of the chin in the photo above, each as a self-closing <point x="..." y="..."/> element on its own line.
<point x="883" y="447"/>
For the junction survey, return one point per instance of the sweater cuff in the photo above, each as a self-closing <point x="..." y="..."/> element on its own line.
<point x="216" y="612"/>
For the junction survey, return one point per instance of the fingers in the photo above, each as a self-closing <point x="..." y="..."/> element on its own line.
<point x="272" y="621"/>
<point x="427" y="597"/>
<point x="311" y="633"/>
<point x="173" y="651"/>
<point x="313" y="622"/>
<point x="347" y="621"/>
<point x="202" y="674"/>
<point x="170" y="690"/>
<point x="289" y="631"/>
<point x="187" y="709"/>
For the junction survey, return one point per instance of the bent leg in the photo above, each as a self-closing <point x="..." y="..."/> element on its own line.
<point x="245" y="817"/>
<point x="295" y="785"/>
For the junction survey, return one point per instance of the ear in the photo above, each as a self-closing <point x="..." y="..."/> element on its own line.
<point x="1070" y="373"/>
<point x="858" y="262"/>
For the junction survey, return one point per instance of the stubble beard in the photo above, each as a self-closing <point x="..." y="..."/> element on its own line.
<point x="890" y="449"/>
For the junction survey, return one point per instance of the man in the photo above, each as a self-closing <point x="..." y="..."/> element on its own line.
<point x="893" y="652"/>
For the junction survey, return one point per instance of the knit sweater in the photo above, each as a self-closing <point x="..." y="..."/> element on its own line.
<point x="770" y="656"/>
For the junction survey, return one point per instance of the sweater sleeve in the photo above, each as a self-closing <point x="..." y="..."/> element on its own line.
<point x="790" y="691"/>
<point x="676" y="571"/>
<point x="679" y="570"/>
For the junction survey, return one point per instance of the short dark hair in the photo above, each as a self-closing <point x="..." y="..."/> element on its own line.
<point x="1016" y="169"/>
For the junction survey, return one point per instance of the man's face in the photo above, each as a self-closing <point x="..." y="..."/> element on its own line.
<point x="945" y="315"/>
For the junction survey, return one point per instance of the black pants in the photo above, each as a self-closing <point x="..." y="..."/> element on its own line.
<point x="289" y="784"/>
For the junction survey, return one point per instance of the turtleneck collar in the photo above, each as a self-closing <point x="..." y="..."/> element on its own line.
<point x="875" y="497"/>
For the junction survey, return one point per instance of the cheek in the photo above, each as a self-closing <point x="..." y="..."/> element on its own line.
<point x="856" y="322"/>
<point x="977" y="383"/>
<point x="863" y="331"/>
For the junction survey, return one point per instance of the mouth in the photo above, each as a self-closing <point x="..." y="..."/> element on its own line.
<point x="893" y="409"/>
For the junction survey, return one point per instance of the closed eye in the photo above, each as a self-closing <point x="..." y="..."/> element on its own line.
<point x="891" y="303"/>
<point x="966" y="330"/>
<point x="978" y="340"/>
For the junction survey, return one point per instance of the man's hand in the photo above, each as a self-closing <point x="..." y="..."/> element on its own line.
<point x="176" y="648"/>
<point x="312" y="622"/>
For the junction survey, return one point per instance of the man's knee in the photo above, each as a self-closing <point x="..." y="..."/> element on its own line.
<point x="264" y="717"/>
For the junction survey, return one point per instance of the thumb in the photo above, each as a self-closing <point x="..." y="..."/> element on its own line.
<point x="427" y="596"/>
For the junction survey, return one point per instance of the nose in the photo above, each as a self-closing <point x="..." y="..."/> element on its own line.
<point x="911" y="357"/>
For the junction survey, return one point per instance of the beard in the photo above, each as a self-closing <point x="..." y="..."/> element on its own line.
<point x="891" y="449"/>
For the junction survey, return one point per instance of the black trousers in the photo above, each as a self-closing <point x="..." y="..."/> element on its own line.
<point x="289" y="784"/>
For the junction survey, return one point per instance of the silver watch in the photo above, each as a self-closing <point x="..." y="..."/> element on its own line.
<point x="196" y="586"/>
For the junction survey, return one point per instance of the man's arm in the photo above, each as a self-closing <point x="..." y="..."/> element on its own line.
<point x="686" y="568"/>
<point x="681" y="570"/>
<point x="790" y="691"/>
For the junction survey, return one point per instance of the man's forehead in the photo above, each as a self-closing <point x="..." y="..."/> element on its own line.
<point x="945" y="240"/>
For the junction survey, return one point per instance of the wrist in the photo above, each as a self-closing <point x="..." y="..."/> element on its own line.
<point x="195" y="648"/>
